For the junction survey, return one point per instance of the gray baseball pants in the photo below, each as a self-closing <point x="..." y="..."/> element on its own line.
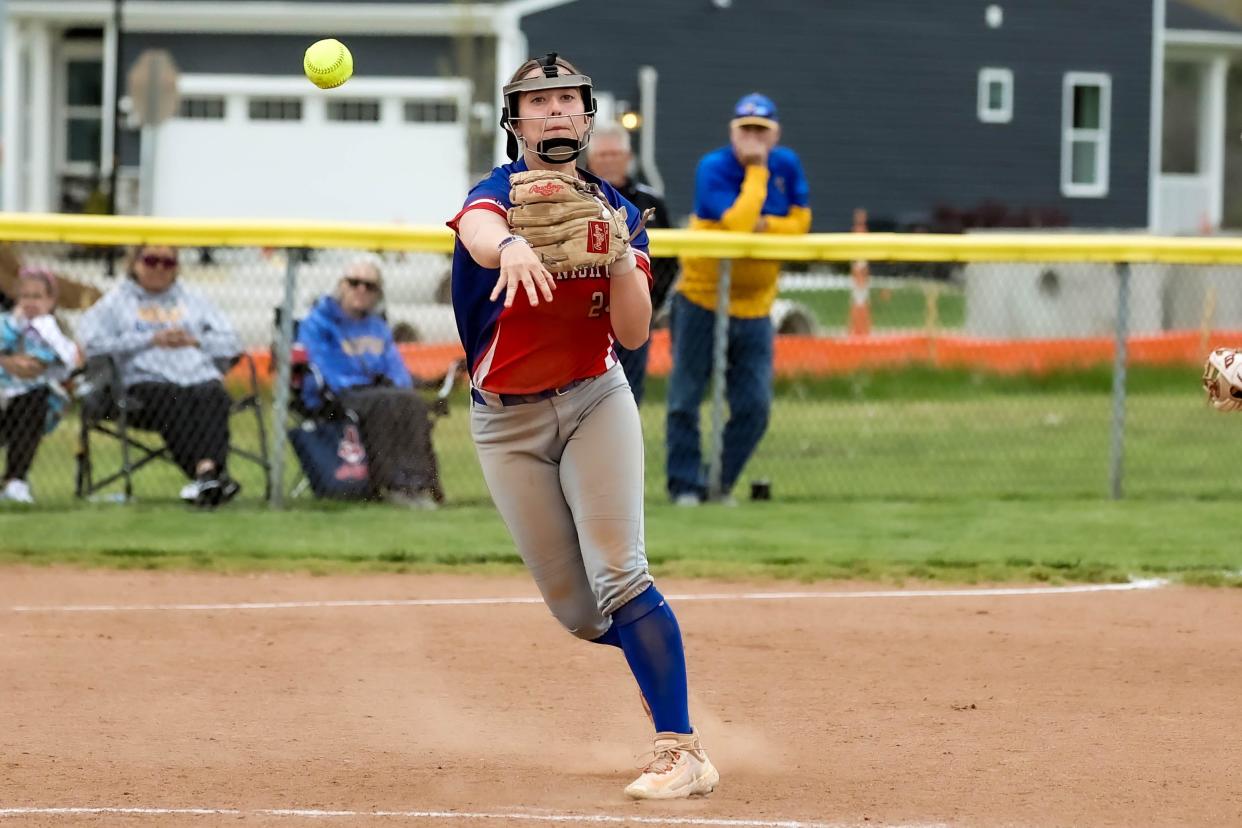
<point x="566" y="474"/>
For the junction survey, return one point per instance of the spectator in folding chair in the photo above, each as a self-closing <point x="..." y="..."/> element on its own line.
<point x="355" y="363"/>
<point x="168" y="343"/>
<point x="36" y="357"/>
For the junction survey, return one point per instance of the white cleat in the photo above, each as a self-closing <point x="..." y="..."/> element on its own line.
<point x="679" y="768"/>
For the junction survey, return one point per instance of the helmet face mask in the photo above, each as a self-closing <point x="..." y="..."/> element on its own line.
<point x="558" y="149"/>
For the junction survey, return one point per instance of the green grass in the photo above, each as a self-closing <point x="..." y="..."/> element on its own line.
<point x="897" y="435"/>
<point x="952" y="476"/>
<point x="963" y="541"/>
<point x="900" y="307"/>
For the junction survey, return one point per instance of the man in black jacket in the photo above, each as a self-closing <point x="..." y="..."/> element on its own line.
<point x="609" y="157"/>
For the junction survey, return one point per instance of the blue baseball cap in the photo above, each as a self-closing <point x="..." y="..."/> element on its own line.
<point x="755" y="110"/>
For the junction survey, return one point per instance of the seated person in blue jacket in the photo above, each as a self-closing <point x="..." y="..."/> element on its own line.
<point x="35" y="358"/>
<point x="355" y="362"/>
<point x="169" y="343"/>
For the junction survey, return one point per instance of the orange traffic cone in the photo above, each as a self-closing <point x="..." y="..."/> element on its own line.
<point x="860" y="297"/>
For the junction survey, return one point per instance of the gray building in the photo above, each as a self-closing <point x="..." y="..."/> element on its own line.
<point x="882" y="99"/>
<point x="940" y="115"/>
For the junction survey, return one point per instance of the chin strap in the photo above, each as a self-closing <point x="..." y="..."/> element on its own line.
<point x="559" y="150"/>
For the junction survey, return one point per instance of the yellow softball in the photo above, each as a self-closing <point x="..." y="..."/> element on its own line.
<point x="328" y="63"/>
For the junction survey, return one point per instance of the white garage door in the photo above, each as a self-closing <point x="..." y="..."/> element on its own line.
<point x="379" y="150"/>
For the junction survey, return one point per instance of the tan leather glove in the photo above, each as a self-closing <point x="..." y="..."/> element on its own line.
<point x="567" y="221"/>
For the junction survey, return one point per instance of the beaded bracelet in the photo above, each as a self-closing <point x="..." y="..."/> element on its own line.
<point x="508" y="240"/>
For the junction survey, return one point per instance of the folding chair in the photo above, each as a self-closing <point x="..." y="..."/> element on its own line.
<point x="104" y="411"/>
<point x="301" y="369"/>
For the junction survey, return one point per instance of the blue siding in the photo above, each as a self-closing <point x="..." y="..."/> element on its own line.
<point x="879" y="96"/>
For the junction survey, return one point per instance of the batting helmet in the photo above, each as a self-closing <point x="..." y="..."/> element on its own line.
<point x="557" y="73"/>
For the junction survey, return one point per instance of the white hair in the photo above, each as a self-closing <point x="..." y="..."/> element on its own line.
<point x="612" y="129"/>
<point x="369" y="259"/>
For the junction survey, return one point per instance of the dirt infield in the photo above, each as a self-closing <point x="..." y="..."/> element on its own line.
<point x="1110" y="708"/>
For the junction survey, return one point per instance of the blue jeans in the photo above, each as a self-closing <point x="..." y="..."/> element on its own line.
<point x="634" y="363"/>
<point x="748" y="390"/>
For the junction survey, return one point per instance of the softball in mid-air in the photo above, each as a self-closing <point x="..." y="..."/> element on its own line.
<point x="328" y="63"/>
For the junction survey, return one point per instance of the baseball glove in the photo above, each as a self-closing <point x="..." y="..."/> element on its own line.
<point x="567" y="221"/>
<point x="1222" y="379"/>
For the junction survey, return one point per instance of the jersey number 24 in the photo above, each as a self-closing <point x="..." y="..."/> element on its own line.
<point x="599" y="304"/>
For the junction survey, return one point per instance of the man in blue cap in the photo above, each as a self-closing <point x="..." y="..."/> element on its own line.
<point x="750" y="186"/>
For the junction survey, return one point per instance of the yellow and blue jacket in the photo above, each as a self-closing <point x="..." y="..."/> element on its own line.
<point x="729" y="196"/>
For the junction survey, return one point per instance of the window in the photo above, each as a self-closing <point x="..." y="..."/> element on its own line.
<point x="1085" y="133"/>
<point x="364" y="111"/>
<point x="202" y="109"/>
<point x="432" y="112"/>
<point x="83" y="110"/>
<point x="995" y="95"/>
<point x="275" y="109"/>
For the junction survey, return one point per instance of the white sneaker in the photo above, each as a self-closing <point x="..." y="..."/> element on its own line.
<point x="679" y="768"/>
<point x="209" y="492"/>
<point x="17" y="491"/>
<point x="687" y="499"/>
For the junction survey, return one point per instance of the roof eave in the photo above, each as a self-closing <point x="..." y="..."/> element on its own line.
<point x="273" y="17"/>
<point x="1203" y="39"/>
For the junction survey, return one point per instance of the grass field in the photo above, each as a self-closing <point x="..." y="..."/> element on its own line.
<point x="898" y="475"/>
<point x="898" y="307"/>
<point x="963" y="541"/>
<point x="894" y="435"/>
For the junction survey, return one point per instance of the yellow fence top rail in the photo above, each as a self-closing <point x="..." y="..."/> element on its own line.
<point x="127" y="230"/>
<point x="919" y="247"/>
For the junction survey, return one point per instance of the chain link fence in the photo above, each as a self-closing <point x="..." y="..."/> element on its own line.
<point x="1001" y="380"/>
<point x="986" y="379"/>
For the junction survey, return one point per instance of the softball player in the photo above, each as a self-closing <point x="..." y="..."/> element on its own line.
<point x="553" y="420"/>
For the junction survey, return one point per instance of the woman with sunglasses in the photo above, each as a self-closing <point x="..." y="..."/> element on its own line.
<point x="170" y="345"/>
<point x="355" y="365"/>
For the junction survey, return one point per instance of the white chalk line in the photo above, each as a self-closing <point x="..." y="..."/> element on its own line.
<point x="514" y="816"/>
<point x="987" y="592"/>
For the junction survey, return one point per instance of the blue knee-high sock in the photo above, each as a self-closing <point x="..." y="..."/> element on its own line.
<point x="651" y="640"/>
<point x="612" y="638"/>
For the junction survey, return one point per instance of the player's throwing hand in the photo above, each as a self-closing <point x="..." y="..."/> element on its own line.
<point x="520" y="267"/>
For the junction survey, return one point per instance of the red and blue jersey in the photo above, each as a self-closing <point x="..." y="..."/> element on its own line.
<point x="523" y="349"/>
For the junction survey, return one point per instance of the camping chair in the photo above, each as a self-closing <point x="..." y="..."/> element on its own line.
<point x="301" y="370"/>
<point x="102" y="411"/>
